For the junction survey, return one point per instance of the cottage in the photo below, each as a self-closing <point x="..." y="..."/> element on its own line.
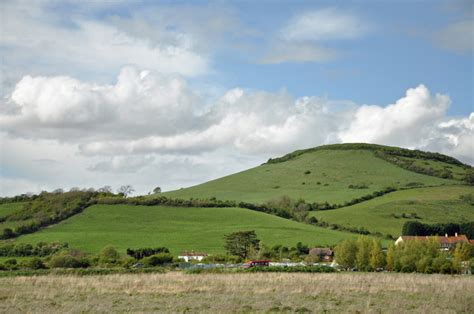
<point x="192" y="256"/>
<point x="324" y="254"/>
<point x="445" y="243"/>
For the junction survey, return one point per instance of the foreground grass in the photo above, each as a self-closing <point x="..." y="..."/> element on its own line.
<point x="384" y="214"/>
<point x="200" y="229"/>
<point x="316" y="177"/>
<point x="224" y="293"/>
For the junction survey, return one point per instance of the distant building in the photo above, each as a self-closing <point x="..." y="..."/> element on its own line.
<point x="445" y="243"/>
<point x="254" y="263"/>
<point x="192" y="256"/>
<point x="324" y="254"/>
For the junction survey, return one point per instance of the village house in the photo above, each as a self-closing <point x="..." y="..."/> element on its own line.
<point x="192" y="256"/>
<point x="324" y="254"/>
<point x="445" y="243"/>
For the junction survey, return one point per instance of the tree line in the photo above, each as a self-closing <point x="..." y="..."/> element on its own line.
<point x="365" y="254"/>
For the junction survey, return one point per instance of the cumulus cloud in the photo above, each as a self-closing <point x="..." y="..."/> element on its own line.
<point x="147" y="120"/>
<point x="139" y="104"/>
<point x="409" y="122"/>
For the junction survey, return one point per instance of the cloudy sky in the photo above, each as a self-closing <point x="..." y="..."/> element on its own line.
<point x="172" y="94"/>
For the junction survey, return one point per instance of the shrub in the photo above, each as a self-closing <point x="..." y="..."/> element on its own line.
<point x="36" y="263"/>
<point x="109" y="255"/>
<point x="158" y="259"/>
<point x="66" y="260"/>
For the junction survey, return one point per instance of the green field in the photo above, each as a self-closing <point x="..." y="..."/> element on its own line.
<point x="319" y="176"/>
<point x="200" y="229"/>
<point x="9" y="208"/>
<point x="384" y="214"/>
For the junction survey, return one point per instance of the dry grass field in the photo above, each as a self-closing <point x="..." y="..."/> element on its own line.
<point x="241" y="293"/>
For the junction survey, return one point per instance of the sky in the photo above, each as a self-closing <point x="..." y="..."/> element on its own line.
<point x="174" y="93"/>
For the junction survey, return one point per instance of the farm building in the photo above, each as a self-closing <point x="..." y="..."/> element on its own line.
<point x="324" y="254"/>
<point x="445" y="243"/>
<point x="192" y="256"/>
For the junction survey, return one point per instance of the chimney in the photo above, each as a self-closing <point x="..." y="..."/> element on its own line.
<point x="446" y="235"/>
<point x="456" y="234"/>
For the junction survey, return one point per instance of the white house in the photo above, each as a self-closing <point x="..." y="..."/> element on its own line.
<point x="192" y="256"/>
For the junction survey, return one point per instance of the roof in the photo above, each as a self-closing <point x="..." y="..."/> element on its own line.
<point x="193" y="254"/>
<point x="321" y="251"/>
<point x="441" y="239"/>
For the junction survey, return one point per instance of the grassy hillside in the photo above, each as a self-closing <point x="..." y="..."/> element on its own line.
<point x="387" y="214"/>
<point x="176" y="228"/>
<point x="10" y="208"/>
<point x="317" y="176"/>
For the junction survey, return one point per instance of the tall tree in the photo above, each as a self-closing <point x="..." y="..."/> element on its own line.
<point x="377" y="257"/>
<point x="241" y="243"/>
<point x="345" y="253"/>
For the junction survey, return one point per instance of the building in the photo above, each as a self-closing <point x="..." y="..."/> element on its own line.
<point x="263" y="263"/>
<point x="192" y="256"/>
<point x="324" y="254"/>
<point x="445" y="243"/>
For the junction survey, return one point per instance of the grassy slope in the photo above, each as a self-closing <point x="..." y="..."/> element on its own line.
<point x="8" y="208"/>
<point x="176" y="228"/>
<point x="336" y="168"/>
<point x="433" y="205"/>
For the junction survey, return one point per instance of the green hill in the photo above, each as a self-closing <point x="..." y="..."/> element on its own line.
<point x="388" y="213"/>
<point x="335" y="173"/>
<point x="177" y="228"/>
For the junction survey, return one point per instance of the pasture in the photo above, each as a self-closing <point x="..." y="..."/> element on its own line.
<point x="178" y="292"/>
<point x="323" y="175"/>
<point x="388" y="213"/>
<point x="199" y="229"/>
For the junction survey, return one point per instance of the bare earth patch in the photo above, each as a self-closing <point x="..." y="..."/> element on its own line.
<point x="253" y="292"/>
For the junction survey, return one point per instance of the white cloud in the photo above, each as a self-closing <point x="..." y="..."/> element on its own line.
<point x="306" y="36"/>
<point x="409" y="122"/>
<point x="154" y="125"/>
<point x="38" y="37"/>
<point x="457" y="37"/>
<point x="324" y="24"/>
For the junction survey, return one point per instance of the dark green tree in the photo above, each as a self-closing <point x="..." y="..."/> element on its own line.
<point x="241" y="243"/>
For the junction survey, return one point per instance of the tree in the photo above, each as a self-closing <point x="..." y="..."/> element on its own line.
<point x="363" y="253"/>
<point x="126" y="190"/>
<point x="462" y="253"/>
<point x="345" y="253"/>
<point x="157" y="190"/>
<point x="391" y="257"/>
<point x="414" y="228"/>
<point x="105" y="189"/>
<point x="377" y="257"/>
<point x="241" y="243"/>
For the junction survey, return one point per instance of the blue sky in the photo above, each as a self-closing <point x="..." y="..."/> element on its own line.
<point x="114" y="88"/>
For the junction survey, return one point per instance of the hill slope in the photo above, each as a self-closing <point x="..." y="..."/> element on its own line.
<point x="335" y="173"/>
<point x="177" y="228"/>
<point x="388" y="213"/>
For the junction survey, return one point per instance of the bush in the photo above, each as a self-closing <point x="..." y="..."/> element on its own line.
<point x="68" y="261"/>
<point x="36" y="263"/>
<point x="109" y="255"/>
<point x="158" y="259"/>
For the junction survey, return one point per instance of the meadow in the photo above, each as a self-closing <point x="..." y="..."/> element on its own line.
<point x="239" y="293"/>
<point x="319" y="176"/>
<point x="199" y="229"/>
<point x="388" y="213"/>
